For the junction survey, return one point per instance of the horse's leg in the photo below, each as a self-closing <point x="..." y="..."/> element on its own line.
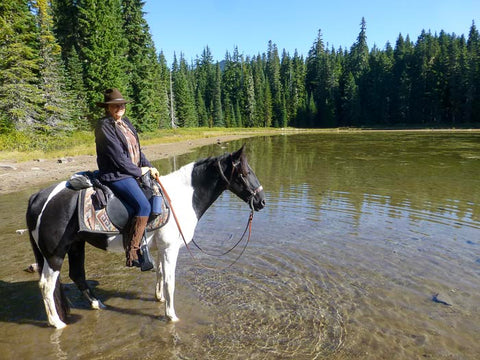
<point x="51" y="288"/>
<point x="169" y="262"/>
<point x="76" y="260"/>
<point x="159" y="295"/>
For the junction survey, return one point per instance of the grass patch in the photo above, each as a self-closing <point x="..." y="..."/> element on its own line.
<point x="24" y="146"/>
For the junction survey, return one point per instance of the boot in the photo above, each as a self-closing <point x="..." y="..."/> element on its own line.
<point x="135" y="235"/>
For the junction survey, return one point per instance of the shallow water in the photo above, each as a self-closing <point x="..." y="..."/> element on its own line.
<point x="359" y="233"/>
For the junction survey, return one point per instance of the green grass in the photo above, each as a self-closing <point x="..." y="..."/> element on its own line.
<point x="23" y="146"/>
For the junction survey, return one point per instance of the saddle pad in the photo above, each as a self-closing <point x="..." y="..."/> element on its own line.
<point x="96" y="220"/>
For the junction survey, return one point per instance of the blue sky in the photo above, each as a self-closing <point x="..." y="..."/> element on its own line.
<point x="188" y="26"/>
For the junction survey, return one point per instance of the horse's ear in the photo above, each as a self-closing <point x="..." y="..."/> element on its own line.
<point x="238" y="154"/>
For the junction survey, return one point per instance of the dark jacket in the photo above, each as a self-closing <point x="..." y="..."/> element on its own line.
<point x="113" y="159"/>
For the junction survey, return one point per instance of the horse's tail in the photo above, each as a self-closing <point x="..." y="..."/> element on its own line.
<point x="61" y="302"/>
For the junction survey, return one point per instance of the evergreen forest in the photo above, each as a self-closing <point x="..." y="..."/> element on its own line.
<point x="58" y="56"/>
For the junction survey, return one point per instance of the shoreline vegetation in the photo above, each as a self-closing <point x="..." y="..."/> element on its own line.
<point x="34" y="167"/>
<point x="20" y="170"/>
<point x="24" y="147"/>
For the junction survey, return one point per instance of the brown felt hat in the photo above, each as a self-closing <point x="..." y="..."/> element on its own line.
<point x="112" y="96"/>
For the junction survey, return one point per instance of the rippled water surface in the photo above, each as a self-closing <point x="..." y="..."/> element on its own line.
<point x="360" y="232"/>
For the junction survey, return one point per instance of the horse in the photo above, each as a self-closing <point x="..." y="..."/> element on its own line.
<point x="53" y="226"/>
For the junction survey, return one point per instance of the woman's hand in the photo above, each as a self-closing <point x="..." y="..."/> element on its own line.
<point x="154" y="172"/>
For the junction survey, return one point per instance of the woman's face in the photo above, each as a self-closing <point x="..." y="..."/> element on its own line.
<point x="116" y="110"/>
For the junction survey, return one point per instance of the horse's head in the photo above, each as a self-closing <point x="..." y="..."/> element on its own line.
<point x="241" y="180"/>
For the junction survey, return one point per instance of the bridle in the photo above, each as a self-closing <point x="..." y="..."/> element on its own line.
<point x="229" y="187"/>
<point x="253" y="193"/>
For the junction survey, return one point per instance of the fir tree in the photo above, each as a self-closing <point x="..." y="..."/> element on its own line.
<point x="217" y="111"/>
<point x="142" y="68"/>
<point x="278" y="100"/>
<point x="102" y="49"/>
<point x="20" y="97"/>
<point x="58" y="105"/>
<point x="183" y="93"/>
<point x="473" y="75"/>
<point x="163" y="93"/>
<point x="249" y="96"/>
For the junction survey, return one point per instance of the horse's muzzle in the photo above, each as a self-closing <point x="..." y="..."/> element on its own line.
<point x="257" y="201"/>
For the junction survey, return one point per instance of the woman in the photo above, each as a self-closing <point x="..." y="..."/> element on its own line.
<point x="120" y="162"/>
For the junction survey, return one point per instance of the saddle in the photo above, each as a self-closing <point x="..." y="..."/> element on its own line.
<point x="100" y="211"/>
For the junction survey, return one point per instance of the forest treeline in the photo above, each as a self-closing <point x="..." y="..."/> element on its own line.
<point x="58" y="56"/>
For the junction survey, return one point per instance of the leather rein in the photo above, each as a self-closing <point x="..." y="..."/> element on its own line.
<point x="249" y="223"/>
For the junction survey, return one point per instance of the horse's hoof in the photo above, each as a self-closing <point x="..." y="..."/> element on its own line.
<point x="59" y="325"/>
<point x="98" y="305"/>
<point x="159" y="299"/>
<point x="172" y="319"/>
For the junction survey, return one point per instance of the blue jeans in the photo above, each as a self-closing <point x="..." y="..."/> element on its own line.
<point x="129" y="191"/>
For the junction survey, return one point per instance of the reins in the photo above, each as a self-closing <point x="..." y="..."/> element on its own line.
<point x="248" y="227"/>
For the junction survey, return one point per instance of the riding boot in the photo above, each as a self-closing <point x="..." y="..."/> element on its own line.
<point x="135" y="235"/>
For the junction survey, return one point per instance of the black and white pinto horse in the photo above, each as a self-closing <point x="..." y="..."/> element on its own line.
<point x="52" y="219"/>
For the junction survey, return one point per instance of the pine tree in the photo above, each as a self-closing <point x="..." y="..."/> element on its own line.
<point x="297" y="92"/>
<point x="232" y="88"/>
<point x="273" y="73"/>
<point x="350" y="101"/>
<point x="358" y="57"/>
<point x="203" y="118"/>
<point x="65" y="18"/>
<point x="473" y="75"/>
<point x="267" y="106"/>
<point x="58" y="105"/>
<point x="142" y="68"/>
<point x="218" y="119"/>
<point x="377" y="89"/>
<point x="184" y="96"/>
<point x="259" y="86"/>
<point x="20" y="98"/>
<point x="102" y="48"/>
<point x="401" y="81"/>
<point x="205" y="83"/>
<point x="249" y="96"/>
<point x="163" y="93"/>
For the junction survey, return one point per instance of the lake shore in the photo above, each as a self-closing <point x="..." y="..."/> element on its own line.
<point x="17" y="176"/>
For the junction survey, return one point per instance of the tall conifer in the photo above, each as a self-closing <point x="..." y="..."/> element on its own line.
<point x="102" y="48"/>
<point x="58" y="105"/>
<point x="142" y="68"/>
<point x="20" y="98"/>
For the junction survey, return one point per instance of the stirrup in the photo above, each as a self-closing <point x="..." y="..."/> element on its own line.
<point x="144" y="258"/>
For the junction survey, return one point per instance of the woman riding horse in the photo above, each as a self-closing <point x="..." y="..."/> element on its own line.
<point x="120" y="162"/>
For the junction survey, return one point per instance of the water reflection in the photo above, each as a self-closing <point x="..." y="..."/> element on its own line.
<point x="359" y="232"/>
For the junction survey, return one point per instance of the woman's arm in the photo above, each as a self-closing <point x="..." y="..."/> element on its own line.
<point x="110" y="148"/>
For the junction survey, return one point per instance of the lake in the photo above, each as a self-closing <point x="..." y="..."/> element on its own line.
<point x="368" y="248"/>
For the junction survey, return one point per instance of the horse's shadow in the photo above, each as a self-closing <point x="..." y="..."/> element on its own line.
<point x="22" y="303"/>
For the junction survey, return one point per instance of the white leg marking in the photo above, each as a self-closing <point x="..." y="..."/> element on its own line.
<point x="169" y="263"/>
<point x="97" y="305"/>
<point x="48" y="279"/>
<point x="159" y="295"/>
